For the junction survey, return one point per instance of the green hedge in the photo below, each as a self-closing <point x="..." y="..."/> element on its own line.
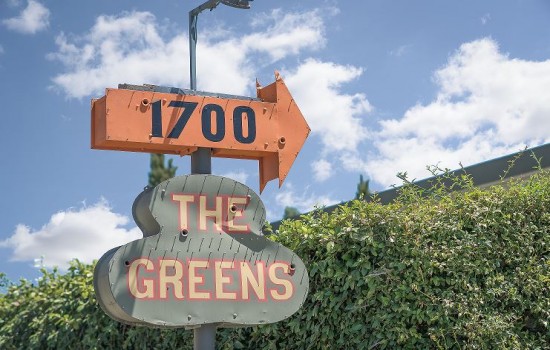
<point x="434" y="270"/>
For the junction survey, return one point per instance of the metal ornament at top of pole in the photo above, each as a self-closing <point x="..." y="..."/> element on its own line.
<point x="193" y="18"/>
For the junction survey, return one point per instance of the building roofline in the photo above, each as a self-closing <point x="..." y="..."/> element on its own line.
<point x="483" y="174"/>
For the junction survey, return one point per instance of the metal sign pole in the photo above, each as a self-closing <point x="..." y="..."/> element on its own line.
<point x="201" y="160"/>
<point x="204" y="337"/>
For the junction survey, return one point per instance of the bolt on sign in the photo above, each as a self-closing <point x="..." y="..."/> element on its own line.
<point x="203" y="259"/>
<point x="154" y="119"/>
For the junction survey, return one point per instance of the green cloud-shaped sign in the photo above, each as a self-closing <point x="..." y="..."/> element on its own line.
<point x="203" y="260"/>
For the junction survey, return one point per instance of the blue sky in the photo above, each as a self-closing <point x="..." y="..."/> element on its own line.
<point x="386" y="86"/>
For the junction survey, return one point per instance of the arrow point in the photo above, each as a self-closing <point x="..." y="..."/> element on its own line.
<point x="269" y="169"/>
<point x="292" y="125"/>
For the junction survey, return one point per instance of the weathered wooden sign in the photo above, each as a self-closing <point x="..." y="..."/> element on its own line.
<point x="203" y="260"/>
<point x="153" y="119"/>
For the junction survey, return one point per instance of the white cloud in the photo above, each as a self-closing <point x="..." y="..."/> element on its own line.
<point x="322" y="169"/>
<point x="334" y="116"/>
<point x="485" y="18"/>
<point x="288" y="34"/>
<point x="85" y="234"/>
<point x="488" y="105"/>
<point x="134" y="48"/>
<point x="401" y="50"/>
<point x="13" y="3"/>
<point x="34" y="18"/>
<point x="239" y="176"/>
<point x="301" y="200"/>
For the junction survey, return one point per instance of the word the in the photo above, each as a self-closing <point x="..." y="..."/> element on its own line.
<point x="226" y="212"/>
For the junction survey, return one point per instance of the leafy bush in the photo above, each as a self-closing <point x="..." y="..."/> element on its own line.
<point x="60" y="312"/>
<point x="434" y="270"/>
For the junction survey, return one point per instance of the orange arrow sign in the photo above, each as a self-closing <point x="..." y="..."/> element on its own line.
<point x="154" y="119"/>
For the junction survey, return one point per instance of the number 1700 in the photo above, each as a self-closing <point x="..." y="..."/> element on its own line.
<point x="239" y="113"/>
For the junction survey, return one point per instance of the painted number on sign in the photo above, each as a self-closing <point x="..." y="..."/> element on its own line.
<point x="212" y="121"/>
